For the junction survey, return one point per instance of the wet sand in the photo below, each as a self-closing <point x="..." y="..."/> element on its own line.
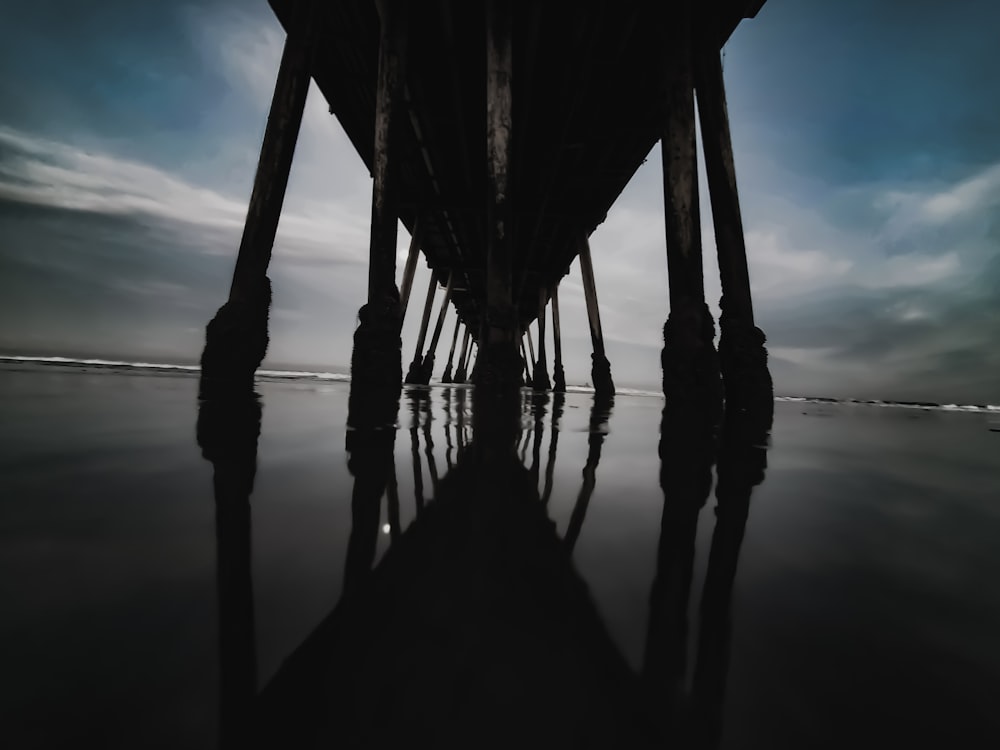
<point x="864" y="609"/>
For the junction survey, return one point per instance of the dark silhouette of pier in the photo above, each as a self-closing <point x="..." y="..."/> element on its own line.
<point x="500" y="134"/>
<point x="474" y="628"/>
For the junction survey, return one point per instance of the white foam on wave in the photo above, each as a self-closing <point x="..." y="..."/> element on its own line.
<point x="100" y="363"/>
<point x="115" y="363"/>
<point x="339" y="377"/>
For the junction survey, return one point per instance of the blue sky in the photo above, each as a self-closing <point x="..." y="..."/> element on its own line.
<point x="867" y="140"/>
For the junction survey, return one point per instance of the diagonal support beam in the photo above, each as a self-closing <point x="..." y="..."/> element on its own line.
<point x="600" y="371"/>
<point x="558" y="374"/>
<point x="540" y="377"/>
<point x="415" y="375"/>
<point x="236" y="339"/>
<point x="428" y="363"/>
<point x="447" y="376"/>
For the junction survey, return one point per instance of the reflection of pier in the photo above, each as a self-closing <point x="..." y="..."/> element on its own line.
<point x="476" y="608"/>
<point x="227" y="435"/>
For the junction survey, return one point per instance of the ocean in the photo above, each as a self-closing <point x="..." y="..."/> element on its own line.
<point x="861" y="608"/>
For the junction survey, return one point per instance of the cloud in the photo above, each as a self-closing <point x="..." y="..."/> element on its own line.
<point x="47" y="172"/>
<point x="869" y="216"/>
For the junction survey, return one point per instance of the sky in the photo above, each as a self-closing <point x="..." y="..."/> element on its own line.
<point x="867" y="144"/>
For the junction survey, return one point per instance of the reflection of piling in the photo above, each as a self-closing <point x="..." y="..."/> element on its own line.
<point x="742" y="462"/>
<point x="227" y="434"/>
<point x="558" y="399"/>
<point x="448" y="445"/>
<point x="687" y="452"/>
<point x="392" y="504"/>
<point x="538" y="402"/>
<point x="429" y="447"/>
<point x="600" y="412"/>
<point x="687" y="448"/>
<point x="418" y="474"/>
<point x="460" y="420"/>
<point x="371" y="437"/>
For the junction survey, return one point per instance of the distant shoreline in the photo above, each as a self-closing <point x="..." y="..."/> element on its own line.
<point x="338" y="377"/>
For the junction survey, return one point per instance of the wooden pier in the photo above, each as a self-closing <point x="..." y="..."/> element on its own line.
<point x="500" y="134"/>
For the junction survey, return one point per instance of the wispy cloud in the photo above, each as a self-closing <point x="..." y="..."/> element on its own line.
<point x="47" y="172"/>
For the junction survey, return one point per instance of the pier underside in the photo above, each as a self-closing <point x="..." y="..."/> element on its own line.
<point x="587" y="109"/>
<point x="500" y="134"/>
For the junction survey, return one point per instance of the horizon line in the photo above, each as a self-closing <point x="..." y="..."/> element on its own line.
<point x="342" y="377"/>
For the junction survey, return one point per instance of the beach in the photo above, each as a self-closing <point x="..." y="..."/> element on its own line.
<point x="863" y="611"/>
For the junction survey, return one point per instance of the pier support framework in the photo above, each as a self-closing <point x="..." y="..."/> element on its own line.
<point x="600" y="370"/>
<point x="540" y="376"/>
<point x="689" y="360"/>
<point x="742" y="355"/>
<point x="415" y="375"/>
<point x="558" y="374"/>
<point x="447" y="377"/>
<point x="377" y="359"/>
<point x="236" y="339"/>
<point x="497" y="366"/>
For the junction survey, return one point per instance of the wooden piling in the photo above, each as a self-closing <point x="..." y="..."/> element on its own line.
<point x="276" y="153"/>
<point x="377" y="360"/>
<point x="428" y="363"/>
<point x="499" y="365"/>
<point x="385" y="168"/>
<point x="409" y="269"/>
<point x="688" y="356"/>
<point x="540" y="376"/>
<point x="236" y="339"/>
<point x="447" y="377"/>
<point x="526" y="360"/>
<point x="415" y="374"/>
<point x="680" y="166"/>
<point x="721" y="173"/>
<point x="461" y="375"/>
<point x="743" y="359"/>
<point x="600" y="370"/>
<point x="558" y="374"/>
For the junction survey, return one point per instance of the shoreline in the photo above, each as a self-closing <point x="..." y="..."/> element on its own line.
<point x="337" y="377"/>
